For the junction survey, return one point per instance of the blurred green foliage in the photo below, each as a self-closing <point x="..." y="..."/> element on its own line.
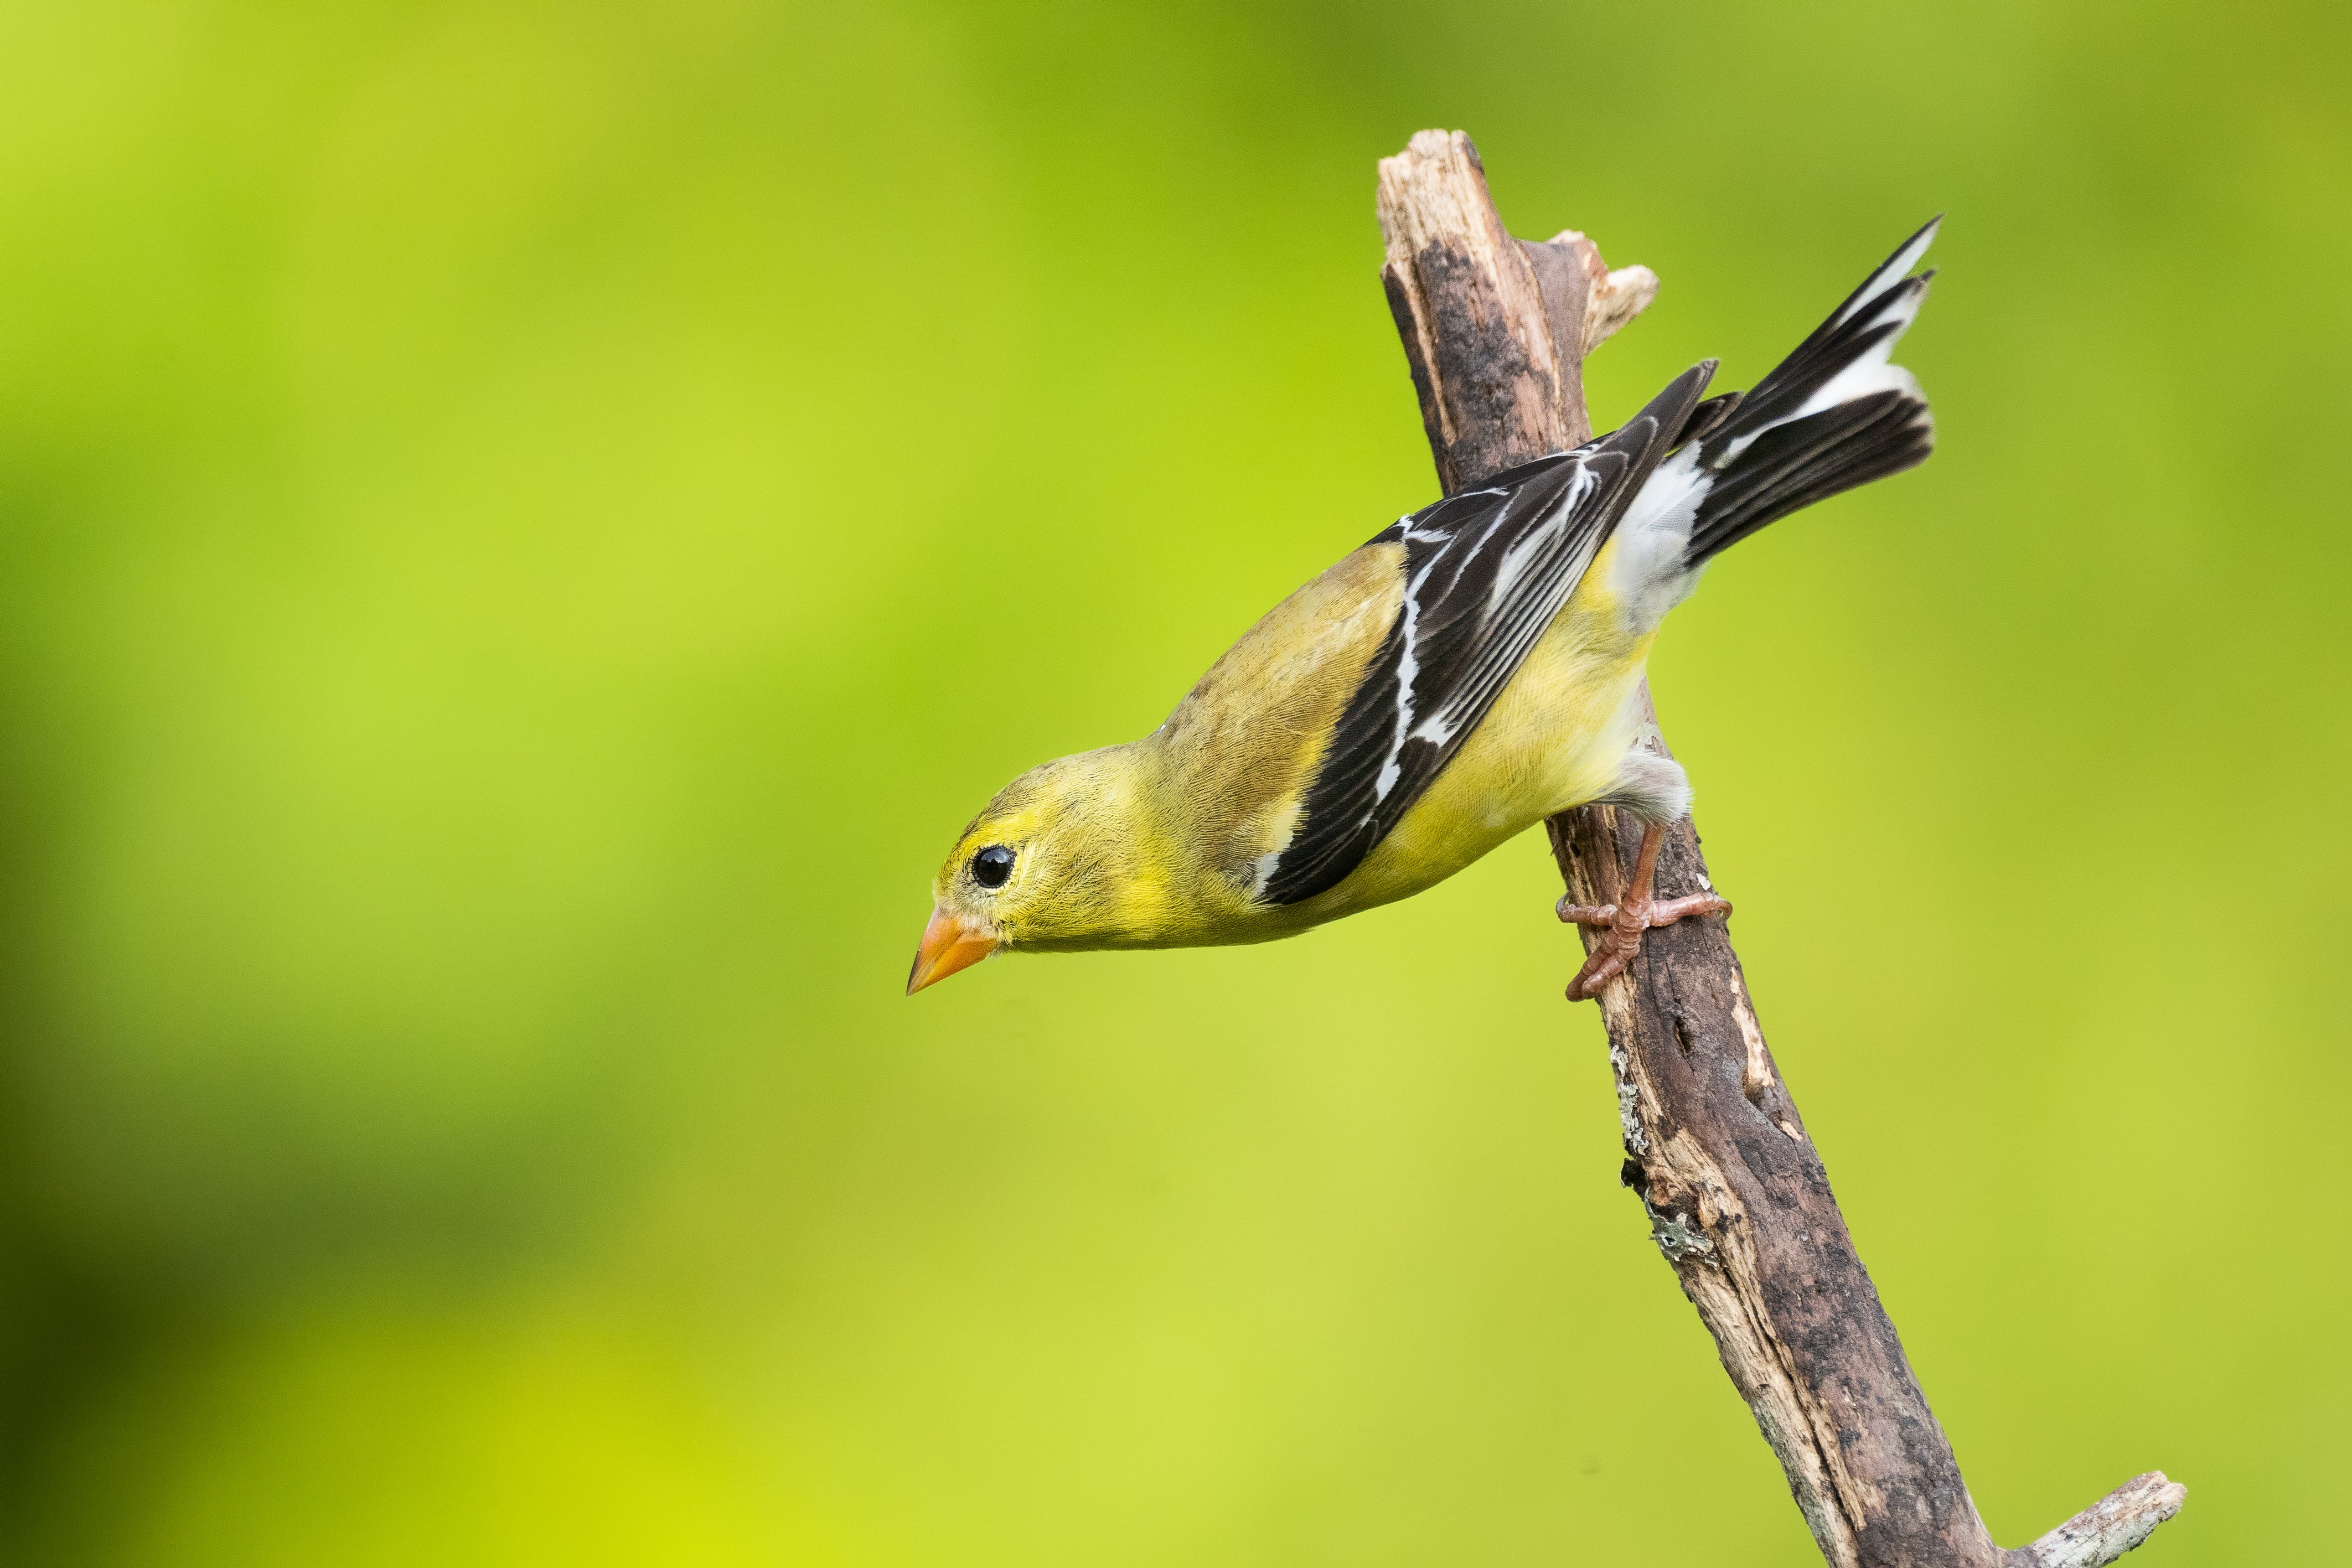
<point x="525" y="528"/>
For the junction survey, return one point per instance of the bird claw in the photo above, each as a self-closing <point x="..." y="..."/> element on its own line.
<point x="1621" y="937"/>
<point x="1660" y="910"/>
<point x="1635" y="911"/>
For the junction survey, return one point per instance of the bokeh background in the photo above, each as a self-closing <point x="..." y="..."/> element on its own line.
<point x="525" y="528"/>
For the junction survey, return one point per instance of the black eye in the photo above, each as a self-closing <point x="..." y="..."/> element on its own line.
<point x="992" y="865"/>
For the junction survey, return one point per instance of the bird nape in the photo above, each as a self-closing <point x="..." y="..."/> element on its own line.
<point x="1469" y="671"/>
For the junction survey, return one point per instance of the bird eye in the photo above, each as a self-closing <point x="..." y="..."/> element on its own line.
<point x="992" y="866"/>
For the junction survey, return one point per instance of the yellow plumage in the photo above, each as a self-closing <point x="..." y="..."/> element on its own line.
<point x="1153" y="844"/>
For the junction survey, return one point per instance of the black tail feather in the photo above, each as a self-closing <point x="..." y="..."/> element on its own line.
<point x="1768" y="456"/>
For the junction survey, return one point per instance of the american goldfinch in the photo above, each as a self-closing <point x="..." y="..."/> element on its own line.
<point x="1469" y="671"/>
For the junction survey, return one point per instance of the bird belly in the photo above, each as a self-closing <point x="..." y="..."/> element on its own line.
<point x="1556" y="737"/>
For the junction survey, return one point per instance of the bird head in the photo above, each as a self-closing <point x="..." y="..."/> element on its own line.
<point x="1047" y="863"/>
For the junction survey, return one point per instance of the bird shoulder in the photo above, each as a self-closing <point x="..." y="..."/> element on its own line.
<point x="1240" y="748"/>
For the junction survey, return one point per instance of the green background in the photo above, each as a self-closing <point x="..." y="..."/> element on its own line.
<point x="525" y="529"/>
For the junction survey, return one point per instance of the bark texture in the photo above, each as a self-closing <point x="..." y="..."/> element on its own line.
<point x="1496" y="331"/>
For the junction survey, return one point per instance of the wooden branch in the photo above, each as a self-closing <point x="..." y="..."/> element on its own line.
<point x="2109" y="1528"/>
<point x="1496" y="332"/>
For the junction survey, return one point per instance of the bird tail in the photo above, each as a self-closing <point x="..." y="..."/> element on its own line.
<point x="1835" y="414"/>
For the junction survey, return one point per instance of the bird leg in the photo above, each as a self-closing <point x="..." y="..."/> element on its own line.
<point x="1634" y="913"/>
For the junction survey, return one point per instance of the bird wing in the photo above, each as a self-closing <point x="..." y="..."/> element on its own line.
<point x="1486" y="572"/>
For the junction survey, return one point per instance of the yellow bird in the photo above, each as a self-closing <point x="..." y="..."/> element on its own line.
<point x="1471" y="669"/>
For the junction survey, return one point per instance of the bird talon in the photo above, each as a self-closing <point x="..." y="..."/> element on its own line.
<point x="1623" y="922"/>
<point x="1606" y="963"/>
<point x="1620" y="939"/>
<point x="1667" y="911"/>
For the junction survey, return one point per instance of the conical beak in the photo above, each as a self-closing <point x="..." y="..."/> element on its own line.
<point x="948" y="945"/>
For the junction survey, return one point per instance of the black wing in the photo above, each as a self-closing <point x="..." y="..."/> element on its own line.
<point x="1485" y="572"/>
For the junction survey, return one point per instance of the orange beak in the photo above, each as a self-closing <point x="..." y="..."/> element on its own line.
<point x="948" y="945"/>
